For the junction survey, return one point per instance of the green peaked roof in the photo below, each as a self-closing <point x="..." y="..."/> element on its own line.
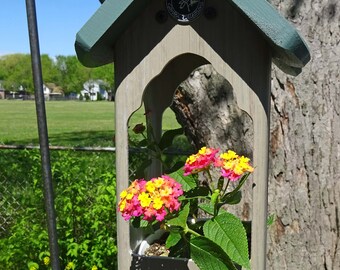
<point x="95" y="40"/>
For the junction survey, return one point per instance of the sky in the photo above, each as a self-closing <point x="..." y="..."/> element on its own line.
<point x="58" y="23"/>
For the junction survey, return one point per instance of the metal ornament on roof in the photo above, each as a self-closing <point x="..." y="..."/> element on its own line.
<point x="185" y="11"/>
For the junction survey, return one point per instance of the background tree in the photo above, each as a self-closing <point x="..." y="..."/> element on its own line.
<point x="304" y="187"/>
<point x="49" y="69"/>
<point x="72" y="74"/>
<point x="64" y="71"/>
<point x="104" y="73"/>
<point x="15" y="71"/>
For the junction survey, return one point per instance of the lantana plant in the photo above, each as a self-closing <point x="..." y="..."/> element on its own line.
<point x="173" y="202"/>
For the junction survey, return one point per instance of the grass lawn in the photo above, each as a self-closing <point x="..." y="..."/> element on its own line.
<point x="69" y="122"/>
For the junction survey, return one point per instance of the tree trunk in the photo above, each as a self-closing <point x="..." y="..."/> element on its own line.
<point x="304" y="187"/>
<point x="205" y="106"/>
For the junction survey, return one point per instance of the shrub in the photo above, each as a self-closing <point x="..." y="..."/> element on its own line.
<point x="84" y="185"/>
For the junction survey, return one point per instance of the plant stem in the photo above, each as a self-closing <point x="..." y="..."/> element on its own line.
<point x="210" y="182"/>
<point x="209" y="174"/>
<point x="145" y="137"/>
<point x="192" y="198"/>
<point x="226" y="186"/>
<point x="192" y="231"/>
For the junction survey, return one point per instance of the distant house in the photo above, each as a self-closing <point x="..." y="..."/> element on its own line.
<point x="94" y="90"/>
<point x="2" y="91"/>
<point x="20" y="93"/>
<point x="47" y="92"/>
<point x="72" y="96"/>
<point x="53" y="92"/>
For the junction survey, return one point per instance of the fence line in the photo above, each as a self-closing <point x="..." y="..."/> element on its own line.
<point x="63" y="148"/>
<point x="89" y="149"/>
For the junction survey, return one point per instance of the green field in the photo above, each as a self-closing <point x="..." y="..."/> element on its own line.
<point x="69" y="122"/>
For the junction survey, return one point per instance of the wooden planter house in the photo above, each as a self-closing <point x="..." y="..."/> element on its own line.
<point x="155" y="45"/>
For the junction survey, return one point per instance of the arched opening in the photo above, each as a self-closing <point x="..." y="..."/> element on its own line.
<point x="158" y="96"/>
<point x="155" y="90"/>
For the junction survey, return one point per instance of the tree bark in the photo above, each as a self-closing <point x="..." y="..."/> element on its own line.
<point x="304" y="187"/>
<point x="205" y="106"/>
<point x="304" y="180"/>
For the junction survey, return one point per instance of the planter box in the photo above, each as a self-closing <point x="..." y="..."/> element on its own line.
<point x="142" y="262"/>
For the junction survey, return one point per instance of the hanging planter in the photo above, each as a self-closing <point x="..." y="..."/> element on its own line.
<point x="153" y="55"/>
<point x="145" y="247"/>
<point x="142" y="258"/>
<point x="146" y="258"/>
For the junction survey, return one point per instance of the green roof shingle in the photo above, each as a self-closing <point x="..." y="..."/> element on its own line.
<point x="95" y="40"/>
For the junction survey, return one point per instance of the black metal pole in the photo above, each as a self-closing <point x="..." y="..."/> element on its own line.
<point x="43" y="134"/>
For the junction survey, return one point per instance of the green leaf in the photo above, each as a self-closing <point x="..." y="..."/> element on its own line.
<point x="227" y="231"/>
<point x="168" y="137"/>
<point x="177" y="166"/>
<point x="187" y="182"/>
<point x="208" y="208"/>
<point x="142" y="143"/>
<point x="247" y="226"/>
<point x="197" y="192"/>
<point x="172" y="239"/>
<point x="137" y="222"/>
<point x="32" y="265"/>
<point x="214" y="197"/>
<point x="271" y="219"/>
<point x="140" y="171"/>
<point x="144" y="223"/>
<point x="232" y="198"/>
<point x="68" y="220"/>
<point x="181" y="249"/>
<point x="209" y="256"/>
<point x="43" y="254"/>
<point x="181" y="219"/>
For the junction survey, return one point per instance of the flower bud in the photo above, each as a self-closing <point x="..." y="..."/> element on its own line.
<point x="139" y="128"/>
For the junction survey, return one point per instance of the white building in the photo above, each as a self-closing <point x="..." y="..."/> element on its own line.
<point x="94" y="90"/>
<point x="47" y="92"/>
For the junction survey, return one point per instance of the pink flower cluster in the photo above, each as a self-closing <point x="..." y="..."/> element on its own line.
<point x="200" y="161"/>
<point x="150" y="200"/>
<point x="232" y="165"/>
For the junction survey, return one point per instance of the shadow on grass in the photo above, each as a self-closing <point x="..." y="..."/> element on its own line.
<point x="83" y="138"/>
<point x="99" y="139"/>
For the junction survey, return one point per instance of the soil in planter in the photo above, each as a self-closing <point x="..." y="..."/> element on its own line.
<point x="157" y="249"/>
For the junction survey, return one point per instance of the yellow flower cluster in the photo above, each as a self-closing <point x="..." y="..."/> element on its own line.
<point x="46" y="260"/>
<point x="70" y="266"/>
<point x="233" y="165"/>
